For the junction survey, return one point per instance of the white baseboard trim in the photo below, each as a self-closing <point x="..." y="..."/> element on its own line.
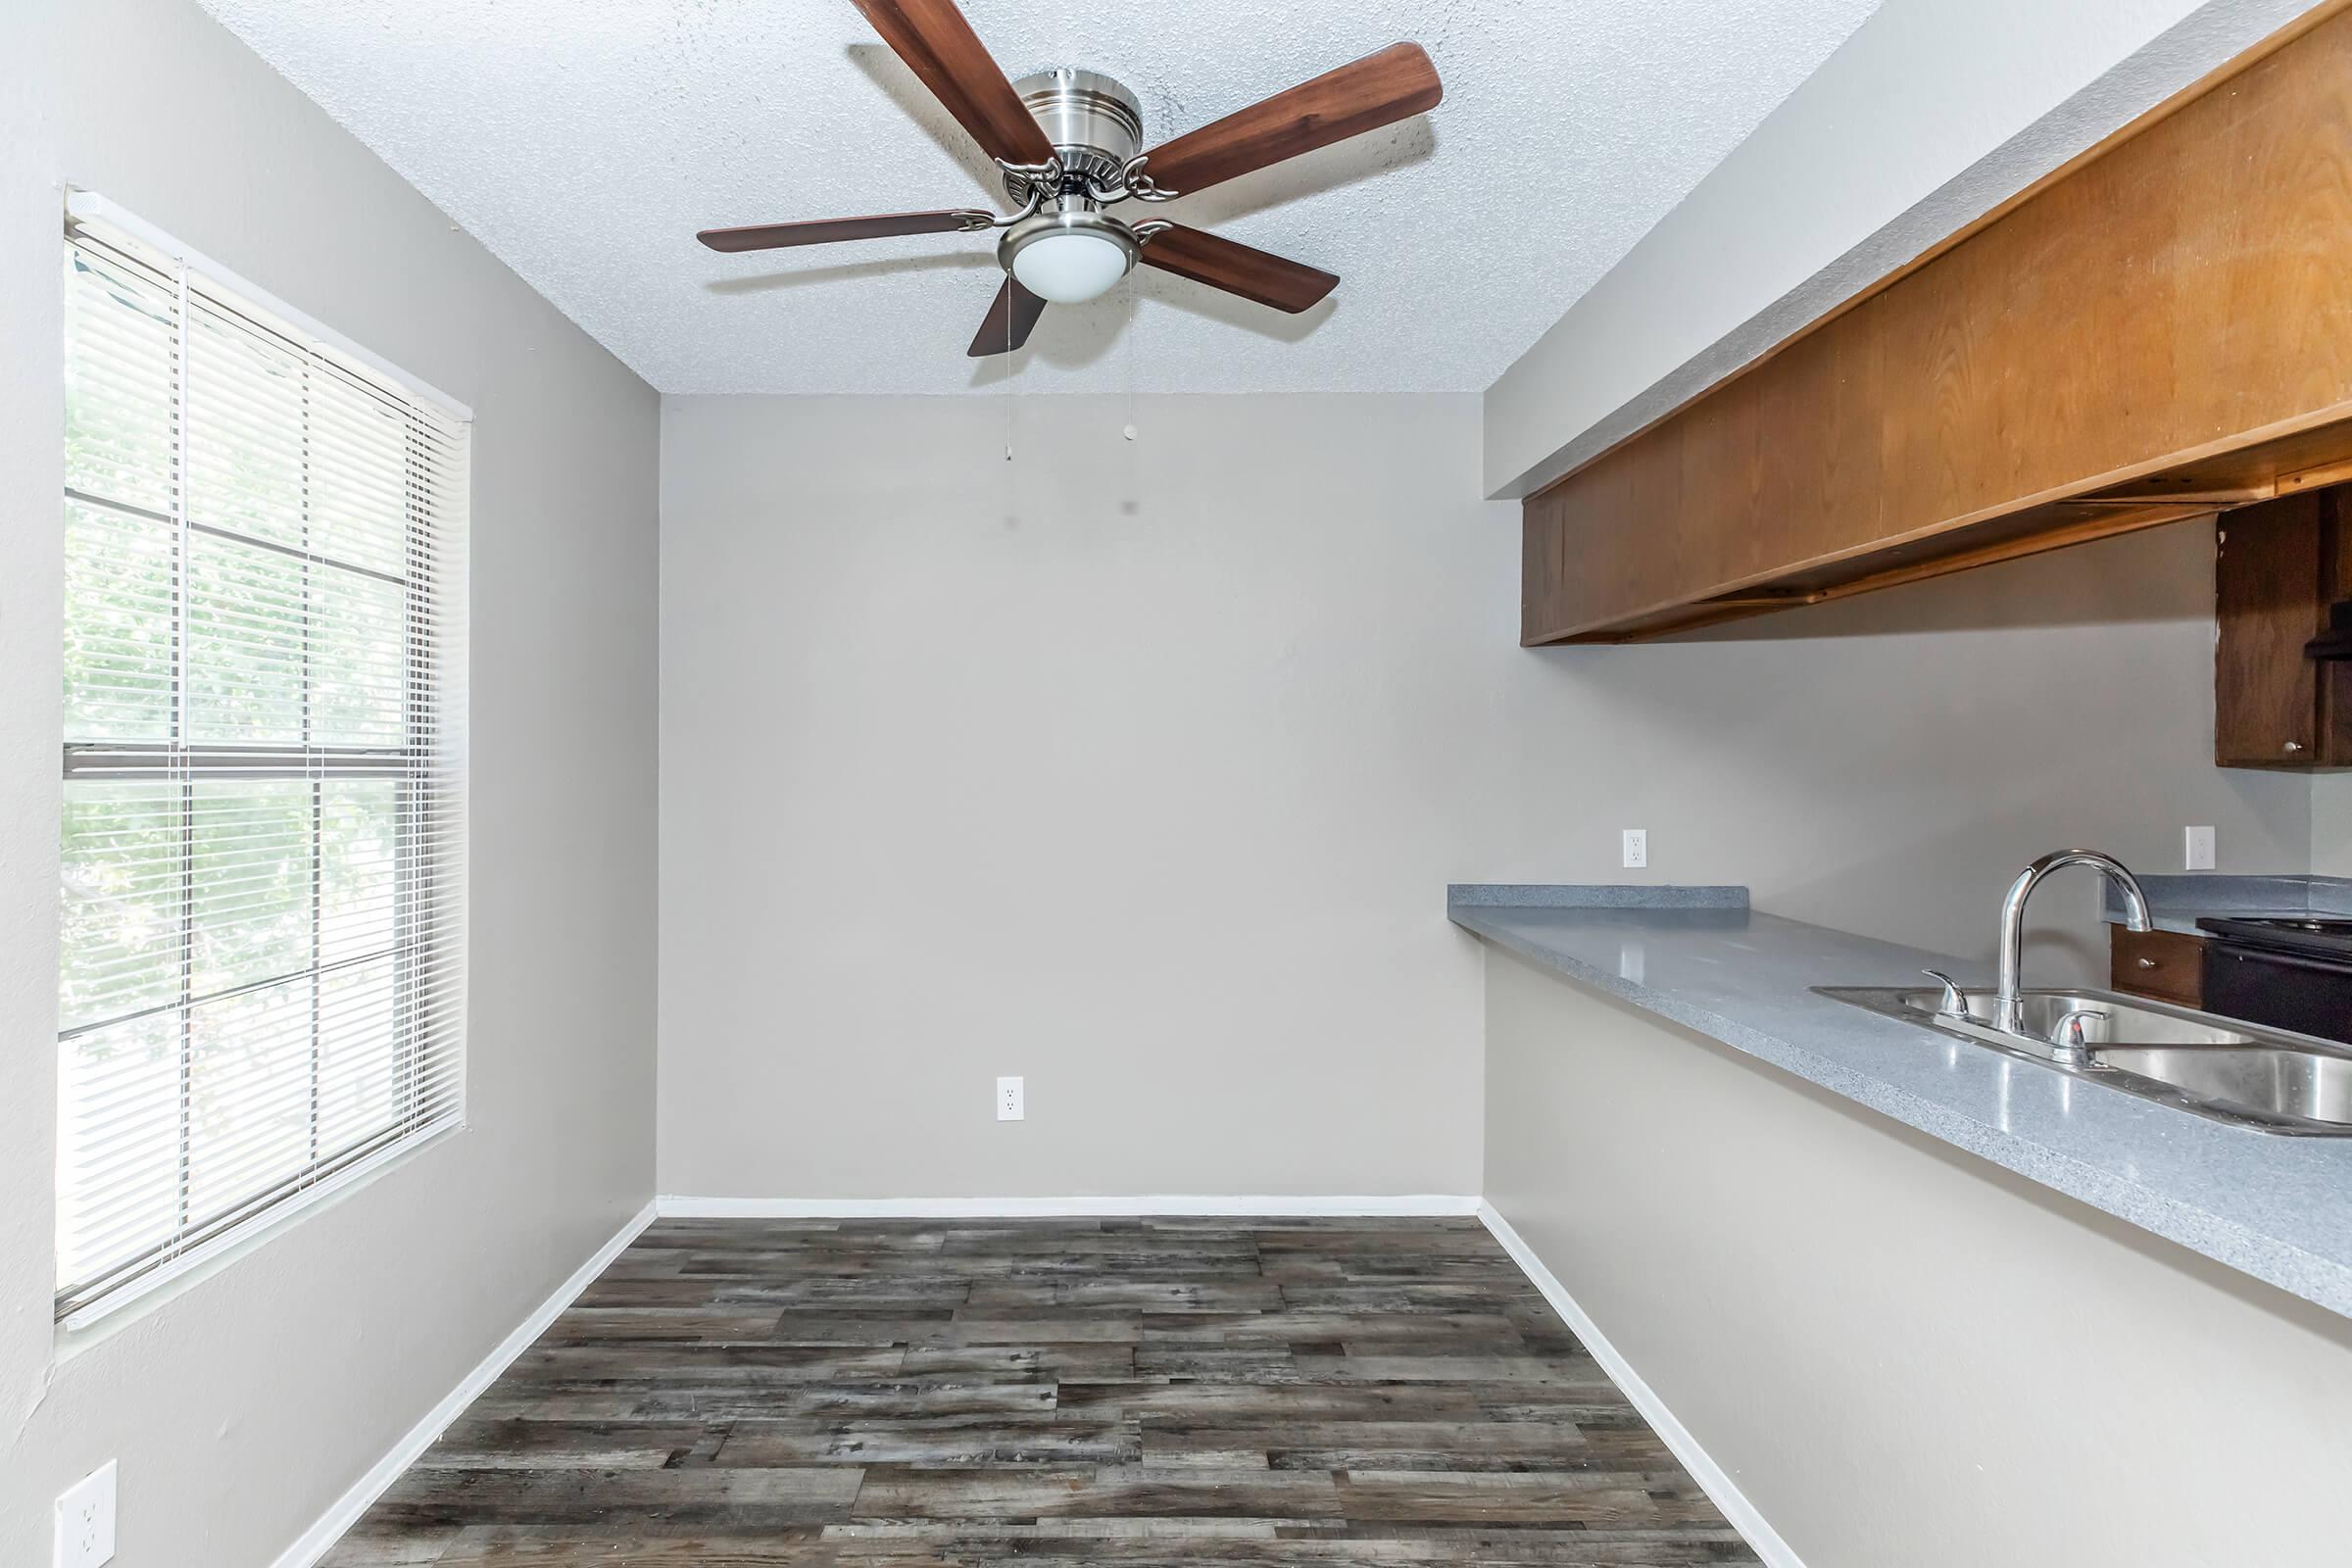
<point x="314" y="1541"/>
<point x="1710" y="1475"/>
<point x="1417" y="1205"/>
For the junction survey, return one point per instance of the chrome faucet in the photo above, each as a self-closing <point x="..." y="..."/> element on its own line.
<point x="2008" y="1006"/>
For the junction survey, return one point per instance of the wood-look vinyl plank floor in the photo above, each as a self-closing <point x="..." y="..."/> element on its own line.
<point x="1050" y="1394"/>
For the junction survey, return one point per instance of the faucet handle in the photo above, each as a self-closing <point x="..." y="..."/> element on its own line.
<point x="2067" y="1034"/>
<point x="1955" y="1002"/>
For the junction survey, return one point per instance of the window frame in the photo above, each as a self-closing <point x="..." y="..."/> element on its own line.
<point x="427" y="937"/>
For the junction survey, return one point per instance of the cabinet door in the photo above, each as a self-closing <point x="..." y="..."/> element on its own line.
<point x="2335" y="678"/>
<point x="2266" y="586"/>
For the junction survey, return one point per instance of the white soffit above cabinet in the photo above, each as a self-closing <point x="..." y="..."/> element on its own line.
<point x="584" y="145"/>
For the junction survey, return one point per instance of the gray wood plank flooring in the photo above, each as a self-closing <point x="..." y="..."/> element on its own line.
<point x="1177" y="1392"/>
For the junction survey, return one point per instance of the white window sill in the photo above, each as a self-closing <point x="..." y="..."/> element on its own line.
<point x="102" y="1319"/>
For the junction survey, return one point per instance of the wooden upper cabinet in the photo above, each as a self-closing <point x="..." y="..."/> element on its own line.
<point x="2279" y="568"/>
<point x="2161" y="330"/>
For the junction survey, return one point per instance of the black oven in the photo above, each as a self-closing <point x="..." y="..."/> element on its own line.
<point x="2288" y="973"/>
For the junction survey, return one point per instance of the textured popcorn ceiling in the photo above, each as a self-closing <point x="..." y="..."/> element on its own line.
<point x="585" y="143"/>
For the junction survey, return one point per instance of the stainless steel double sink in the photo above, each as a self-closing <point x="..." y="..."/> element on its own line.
<point x="2221" y="1069"/>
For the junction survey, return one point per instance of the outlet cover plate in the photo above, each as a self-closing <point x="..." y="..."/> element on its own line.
<point x="2196" y="852"/>
<point x="1637" y="847"/>
<point x="1009" y="1099"/>
<point x="85" y="1520"/>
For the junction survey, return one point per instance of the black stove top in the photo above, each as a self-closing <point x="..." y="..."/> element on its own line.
<point x="2328" y="936"/>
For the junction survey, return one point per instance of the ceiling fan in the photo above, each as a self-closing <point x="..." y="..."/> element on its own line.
<point x="1070" y="143"/>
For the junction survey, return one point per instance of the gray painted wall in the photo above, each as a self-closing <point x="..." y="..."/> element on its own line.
<point x="1903" y="1354"/>
<point x="2331" y="824"/>
<point x="1135" y="767"/>
<point x="242" y="1406"/>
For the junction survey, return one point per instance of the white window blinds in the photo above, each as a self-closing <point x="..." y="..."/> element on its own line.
<point x="261" y="977"/>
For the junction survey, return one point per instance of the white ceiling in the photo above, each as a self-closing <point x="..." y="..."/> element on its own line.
<point x="585" y="143"/>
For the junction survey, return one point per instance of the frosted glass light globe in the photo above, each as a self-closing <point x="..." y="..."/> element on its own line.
<point x="1069" y="268"/>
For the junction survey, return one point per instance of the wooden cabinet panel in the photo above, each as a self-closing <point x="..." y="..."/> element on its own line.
<point x="2265" y="692"/>
<point x="2156" y="331"/>
<point x="2168" y="966"/>
<point x="2277" y="568"/>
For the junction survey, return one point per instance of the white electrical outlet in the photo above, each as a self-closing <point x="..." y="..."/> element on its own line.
<point x="1637" y="847"/>
<point x="1008" y="1099"/>
<point x="85" y="1520"/>
<point x="2197" y="850"/>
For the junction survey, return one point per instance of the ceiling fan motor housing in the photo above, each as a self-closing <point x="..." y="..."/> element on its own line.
<point x="1094" y="124"/>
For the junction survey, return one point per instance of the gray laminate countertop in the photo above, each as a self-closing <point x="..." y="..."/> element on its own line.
<point x="2279" y="1208"/>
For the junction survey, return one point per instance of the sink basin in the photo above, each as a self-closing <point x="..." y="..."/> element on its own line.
<point x="2220" y="1068"/>
<point x="2262" y="1082"/>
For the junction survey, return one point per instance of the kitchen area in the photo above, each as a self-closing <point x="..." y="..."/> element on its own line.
<point x="2057" y="1209"/>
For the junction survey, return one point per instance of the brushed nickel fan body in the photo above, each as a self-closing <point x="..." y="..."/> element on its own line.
<point x="1096" y="127"/>
<point x="1094" y="124"/>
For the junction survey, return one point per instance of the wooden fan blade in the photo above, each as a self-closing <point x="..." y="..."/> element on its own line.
<point x="1008" y="322"/>
<point x="1237" y="268"/>
<point x="825" y="230"/>
<point x="940" y="48"/>
<point x="1377" y="91"/>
